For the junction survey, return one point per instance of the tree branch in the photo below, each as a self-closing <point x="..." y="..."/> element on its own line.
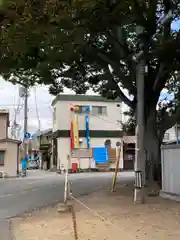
<point x="117" y="39"/>
<point x="139" y="12"/>
<point x="127" y="84"/>
<point x="163" y="72"/>
<point x="151" y="19"/>
<point x="161" y="78"/>
<point x="122" y="96"/>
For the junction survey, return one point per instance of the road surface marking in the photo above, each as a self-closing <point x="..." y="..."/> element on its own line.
<point x="22" y="192"/>
<point x="33" y="190"/>
<point x="6" y="195"/>
<point x="30" y="183"/>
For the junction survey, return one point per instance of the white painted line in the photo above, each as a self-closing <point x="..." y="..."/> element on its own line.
<point x="99" y="187"/>
<point x="30" y="183"/>
<point x="6" y="195"/>
<point x="33" y="190"/>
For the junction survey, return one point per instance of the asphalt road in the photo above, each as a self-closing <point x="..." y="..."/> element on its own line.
<point x="38" y="189"/>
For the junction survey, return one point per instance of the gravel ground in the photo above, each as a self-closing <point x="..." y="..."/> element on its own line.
<point x="158" y="219"/>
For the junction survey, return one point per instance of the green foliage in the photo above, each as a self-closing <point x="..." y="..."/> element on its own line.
<point x="86" y="44"/>
<point x="129" y="126"/>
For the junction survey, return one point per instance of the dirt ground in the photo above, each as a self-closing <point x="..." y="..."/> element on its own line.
<point x="158" y="219"/>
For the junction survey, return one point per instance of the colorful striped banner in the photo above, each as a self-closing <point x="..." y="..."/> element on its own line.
<point x="87" y="131"/>
<point x="71" y="137"/>
<point x="76" y="132"/>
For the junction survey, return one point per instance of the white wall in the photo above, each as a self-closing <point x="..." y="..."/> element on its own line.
<point x="64" y="150"/>
<point x="10" y="160"/>
<point x="100" y="122"/>
<point x="3" y="126"/>
<point x="170" y="168"/>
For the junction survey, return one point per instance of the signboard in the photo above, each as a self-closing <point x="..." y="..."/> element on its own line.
<point x="27" y="135"/>
<point x="81" y="153"/>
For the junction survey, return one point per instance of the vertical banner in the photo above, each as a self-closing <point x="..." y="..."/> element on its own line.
<point x="71" y="129"/>
<point x="76" y="131"/>
<point x="87" y="131"/>
<point x="71" y="137"/>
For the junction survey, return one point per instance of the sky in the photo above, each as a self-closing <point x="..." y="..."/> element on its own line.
<point x="176" y="25"/>
<point x="9" y="95"/>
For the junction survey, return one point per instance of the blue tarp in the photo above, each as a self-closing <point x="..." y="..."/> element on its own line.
<point x="100" y="155"/>
<point x="24" y="164"/>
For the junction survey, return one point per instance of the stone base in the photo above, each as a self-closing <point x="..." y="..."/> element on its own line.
<point x="64" y="208"/>
<point x="139" y="196"/>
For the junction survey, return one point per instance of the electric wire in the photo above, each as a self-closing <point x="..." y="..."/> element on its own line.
<point x="13" y="127"/>
<point x="17" y="108"/>
<point x="37" y="110"/>
<point x="105" y="120"/>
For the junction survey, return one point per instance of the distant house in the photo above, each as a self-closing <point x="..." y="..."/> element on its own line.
<point x="9" y="148"/>
<point x="42" y="142"/>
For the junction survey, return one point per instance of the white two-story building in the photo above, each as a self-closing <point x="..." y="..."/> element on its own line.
<point x="105" y="119"/>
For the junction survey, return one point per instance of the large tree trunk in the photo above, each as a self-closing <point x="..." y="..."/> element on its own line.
<point x="153" y="142"/>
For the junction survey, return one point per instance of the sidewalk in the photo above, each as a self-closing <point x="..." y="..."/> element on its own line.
<point x="5" y="231"/>
<point x="159" y="219"/>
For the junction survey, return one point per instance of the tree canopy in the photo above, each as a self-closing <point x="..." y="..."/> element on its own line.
<point x="86" y="44"/>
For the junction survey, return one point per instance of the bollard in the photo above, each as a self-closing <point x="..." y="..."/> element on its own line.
<point x="116" y="171"/>
<point x="74" y="221"/>
<point x="65" y="207"/>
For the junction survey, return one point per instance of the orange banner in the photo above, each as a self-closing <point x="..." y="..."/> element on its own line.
<point x="76" y="132"/>
<point x="71" y="138"/>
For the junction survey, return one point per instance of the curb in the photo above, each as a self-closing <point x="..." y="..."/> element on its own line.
<point x="90" y="170"/>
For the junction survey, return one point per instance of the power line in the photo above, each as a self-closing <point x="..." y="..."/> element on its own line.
<point x="15" y="129"/>
<point x="105" y="120"/>
<point x="37" y="110"/>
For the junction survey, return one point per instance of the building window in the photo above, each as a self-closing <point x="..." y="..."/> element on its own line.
<point x="129" y="157"/>
<point x="99" y="110"/>
<point x="82" y="109"/>
<point x="2" y="153"/>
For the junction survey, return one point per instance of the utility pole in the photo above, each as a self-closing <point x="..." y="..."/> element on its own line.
<point x="25" y="120"/>
<point x="139" y="194"/>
